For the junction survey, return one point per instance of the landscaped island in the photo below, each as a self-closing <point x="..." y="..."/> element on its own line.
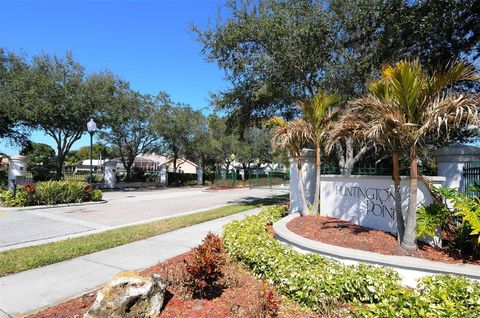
<point x="49" y="193"/>
<point x="250" y="274"/>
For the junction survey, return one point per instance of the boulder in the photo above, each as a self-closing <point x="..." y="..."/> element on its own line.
<point x="129" y="295"/>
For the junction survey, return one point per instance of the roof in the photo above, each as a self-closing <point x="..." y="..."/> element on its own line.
<point x="160" y="159"/>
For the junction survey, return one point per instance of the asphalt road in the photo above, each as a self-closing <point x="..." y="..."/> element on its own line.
<point x="20" y="228"/>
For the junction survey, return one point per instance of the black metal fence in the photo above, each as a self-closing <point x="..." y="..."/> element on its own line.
<point x="471" y="177"/>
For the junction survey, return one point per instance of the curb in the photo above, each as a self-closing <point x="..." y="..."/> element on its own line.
<point x="40" y="207"/>
<point x="282" y="233"/>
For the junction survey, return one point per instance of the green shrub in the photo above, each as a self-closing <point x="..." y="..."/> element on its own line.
<point x="97" y="195"/>
<point x="432" y="217"/>
<point x="22" y="198"/>
<point x="3" y="178"/>
<point x="309" y="279"/>
<point x="435" y="296"/>
<point x="51" y="192"/>
<point x="462" y="225"/>
<point x="181" y="179"/>
<point x="57" y="192"/>
<point x="320" y="283"/>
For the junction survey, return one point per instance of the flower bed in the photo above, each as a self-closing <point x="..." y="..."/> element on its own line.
<point x="241" y="295"/>
<point x="321" y="283"/>
<point x="50" y="193"/>
<point x="346" y="234"/>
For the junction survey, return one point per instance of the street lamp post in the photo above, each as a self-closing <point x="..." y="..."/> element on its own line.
<point x="257" y="163"/>
<point x="234" y="172"/>
<point x="91" y="128"/>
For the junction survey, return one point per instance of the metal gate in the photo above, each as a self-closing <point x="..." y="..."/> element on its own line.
<point x="272" y="180"/>
<point x="471" y="177"/>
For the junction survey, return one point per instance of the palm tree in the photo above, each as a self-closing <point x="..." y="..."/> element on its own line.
<point x="365" y="122"/>
<point x="317" y="114"/>
<point x="409" y="104"/>
<point x="290" y="136"/>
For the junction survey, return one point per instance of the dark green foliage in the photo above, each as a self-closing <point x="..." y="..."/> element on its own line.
<point x="181" y="179"/>
<point x="11" y="68"/>
<point x="276" y="53"/>
<point x="461" y="224"/>
<point x="56" y="96"/>
<point x="130" y="123"/>
<point x="3" y="178"/>
<point x="40" y="161"/>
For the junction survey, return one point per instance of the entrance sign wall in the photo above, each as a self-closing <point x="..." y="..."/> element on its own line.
<point x="364" y="200"/>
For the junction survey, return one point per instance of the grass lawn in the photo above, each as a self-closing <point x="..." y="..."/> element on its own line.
<point x="22" y="259"/>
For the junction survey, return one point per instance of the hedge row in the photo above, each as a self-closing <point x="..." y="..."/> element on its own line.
<point x="49" y="193"/>
<point x="322" y="283"/>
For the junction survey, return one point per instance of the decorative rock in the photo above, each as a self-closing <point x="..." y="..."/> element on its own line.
<point x="129" y="295"/>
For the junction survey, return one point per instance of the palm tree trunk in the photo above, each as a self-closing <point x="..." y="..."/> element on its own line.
<point x="302" y="190"/>
<point x="316" y="197"/>
<point x="409" y="240"/>
<point x="398" y="198"/>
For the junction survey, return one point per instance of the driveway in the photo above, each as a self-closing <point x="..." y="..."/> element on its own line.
<point x="28" y="227"/>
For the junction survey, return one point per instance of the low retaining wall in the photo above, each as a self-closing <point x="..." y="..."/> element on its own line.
<point x="409" y="268"/>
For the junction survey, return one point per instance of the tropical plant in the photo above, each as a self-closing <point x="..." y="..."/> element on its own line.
<point x="291" y="136"/>
<point x="361" y="122"/>
<point x="204" y="266"/>
<point x="406" y="105"/>
<point x="467" y="206"/>
<point x="317" y="114"/>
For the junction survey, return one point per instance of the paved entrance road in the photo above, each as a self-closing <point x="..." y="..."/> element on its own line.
<point x="27" y="227"/>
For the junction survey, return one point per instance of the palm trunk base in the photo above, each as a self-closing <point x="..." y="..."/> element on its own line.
<point x="410" y="248"/>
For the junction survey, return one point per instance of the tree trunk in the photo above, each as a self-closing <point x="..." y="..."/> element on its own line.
<point x="175" y="157"/>
<point x="346" y="158"/>
<point x="59" y="168"/>
<point x="128" y="168"/>
<point x="227" y="166"/>
<point x="316" y="197"/>
<point x="398" y="198"/>
<point x="409" y="240"/>
<point x="302" y="190"/>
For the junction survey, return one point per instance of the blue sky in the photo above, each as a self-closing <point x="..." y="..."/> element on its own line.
<point x="147" y="43"/>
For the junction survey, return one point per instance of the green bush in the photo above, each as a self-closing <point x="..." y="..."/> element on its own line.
<point x="461" y="225"/>
<point x="22" y="198"/>
<point x="435" y="296"/>
<point x="309" y="279"/>
<point x="97" y="195"/>
<point x="50" y="193"/>
<point x="3" y="178"/>
<point x="181" y="179"/>
<point x="56" y="192"/>
<point x="432" y="217"/>
<point x="321" y="283"/>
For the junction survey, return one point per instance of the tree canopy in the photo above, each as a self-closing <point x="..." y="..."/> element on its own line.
<point x="56" y="96"/>
<point x="277" y="53"/>
<point x="130" y="125"/>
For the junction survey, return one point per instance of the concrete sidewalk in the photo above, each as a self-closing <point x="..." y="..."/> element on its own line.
<point x="32" y="290"/>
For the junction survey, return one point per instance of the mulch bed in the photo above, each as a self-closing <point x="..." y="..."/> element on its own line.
<point x="346" y="234"/>
<point x="244" y="296"/>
